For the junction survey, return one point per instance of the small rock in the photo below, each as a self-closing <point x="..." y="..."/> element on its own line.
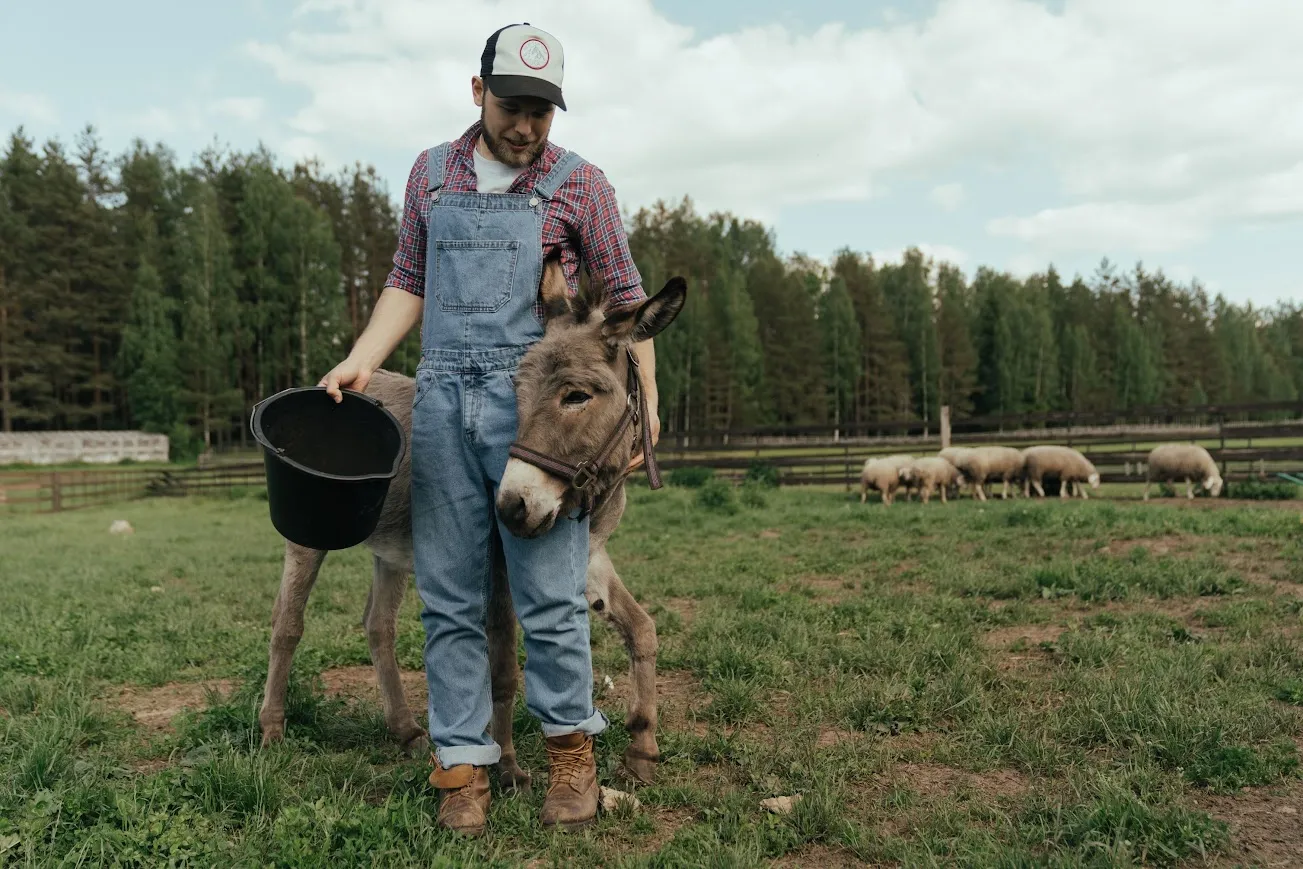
<point x="780" y="805"/>
<point x="1287" y="810"/>
<point x="121" y="526"/>
<point x="156" y="589"/>
<point x="610" y="686"/>
<point x="611" y="799"/>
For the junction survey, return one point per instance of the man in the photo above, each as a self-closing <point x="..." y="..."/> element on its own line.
<point x="481" y="214"/>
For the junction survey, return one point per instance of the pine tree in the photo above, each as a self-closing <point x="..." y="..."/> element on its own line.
<point x="149" y="356"/>
<point x="883" y="393"/>
<point x="211" y="397"/>
<point x="842" y="349"/>
<point x="957" y="381"/>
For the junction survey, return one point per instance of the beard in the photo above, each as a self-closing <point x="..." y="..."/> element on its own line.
<point x="504" y="153"/>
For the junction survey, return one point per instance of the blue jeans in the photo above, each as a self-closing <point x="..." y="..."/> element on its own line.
<point x="463" y="421"/>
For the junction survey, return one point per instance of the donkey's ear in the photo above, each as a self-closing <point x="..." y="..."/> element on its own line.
<point x="639" y="322"/>
<point x="553" y="290"/>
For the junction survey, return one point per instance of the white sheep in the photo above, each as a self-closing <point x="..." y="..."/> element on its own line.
<point x="962" y="458"/>
<point x="1064" y="463"/>
<point x="935" y="472"/>
<point x="882" y="473"/>
<point x="1189" y="462"/>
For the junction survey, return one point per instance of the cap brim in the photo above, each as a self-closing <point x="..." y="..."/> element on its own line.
<point x="525" y="86"/>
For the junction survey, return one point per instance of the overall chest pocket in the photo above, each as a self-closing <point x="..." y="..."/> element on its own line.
<point x="474" y="276"/>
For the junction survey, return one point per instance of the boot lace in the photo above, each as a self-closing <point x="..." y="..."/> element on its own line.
<point x="566" y="765"/>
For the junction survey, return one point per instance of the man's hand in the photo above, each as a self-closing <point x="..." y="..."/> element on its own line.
<point x="349" y="374"/>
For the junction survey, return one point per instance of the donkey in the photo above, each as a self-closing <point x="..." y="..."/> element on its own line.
<point x="575" y="388"/>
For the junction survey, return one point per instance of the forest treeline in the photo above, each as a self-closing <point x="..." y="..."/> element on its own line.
<point x="137" y="292"/>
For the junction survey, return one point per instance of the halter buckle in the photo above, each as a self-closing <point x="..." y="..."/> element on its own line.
<point x="584" y="476"/>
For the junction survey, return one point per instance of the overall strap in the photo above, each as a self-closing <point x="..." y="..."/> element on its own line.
<point x="561" y="172"/>
<point x="436" y="166"/>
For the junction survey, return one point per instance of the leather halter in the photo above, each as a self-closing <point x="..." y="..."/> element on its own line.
<point x="581" y="476"/>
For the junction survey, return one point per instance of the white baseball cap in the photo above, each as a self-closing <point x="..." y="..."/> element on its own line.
<point x="520" y="60"/>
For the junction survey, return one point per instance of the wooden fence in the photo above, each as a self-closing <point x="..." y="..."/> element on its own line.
<point x="1119" y="454"/>
<point x="53" y="491"/>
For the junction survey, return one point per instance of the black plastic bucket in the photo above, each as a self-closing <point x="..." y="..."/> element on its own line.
<point x="329" y="465"/>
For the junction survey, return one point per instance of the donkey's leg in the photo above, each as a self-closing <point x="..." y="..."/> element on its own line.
<point x="297" y="578"/>
<point x="504" y="672"/>
<point x="609" y="598"/>
<point x="387" y="587"/>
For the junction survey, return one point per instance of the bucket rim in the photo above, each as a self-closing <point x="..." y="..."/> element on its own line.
<point x="269" y="449"/>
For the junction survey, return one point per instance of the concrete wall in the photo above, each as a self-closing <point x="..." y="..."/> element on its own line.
<point x="100" y="447"/>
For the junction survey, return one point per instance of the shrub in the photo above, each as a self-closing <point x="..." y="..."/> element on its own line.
<point x="753" y="493"/>
<point x="717" y="494"/>
<point x="690" y="478"/>
<point x="762" y="473"/>
<point x="1262" y="490"/>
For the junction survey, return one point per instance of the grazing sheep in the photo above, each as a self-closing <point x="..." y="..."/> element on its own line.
<point x="1063" y="463"/>
<point x="1189" y="462"/>
<point x="935" y="472"/>
<point x="982" y="465"/>
<point x="882" y="473"/>
<point x="963" y="459"/>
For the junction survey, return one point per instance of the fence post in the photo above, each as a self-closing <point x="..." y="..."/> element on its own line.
<point x="56" y="495"/>
<point x="945" y="426"/>
<point x="846" y="452"/>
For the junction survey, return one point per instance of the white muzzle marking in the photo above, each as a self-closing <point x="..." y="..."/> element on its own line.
<point x="541" y="492"/>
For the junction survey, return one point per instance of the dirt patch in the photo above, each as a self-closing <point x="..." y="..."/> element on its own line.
<point x="154" y="708"/>
<point x="668" y="822"/>
<point x="1264" y="569"/>
<point x="360" y="683"/>
<point x="1266" y="824"/>
<point x="818" y="855"/>
<point x="832" y="738"/>
<point x="770" y="534"/>
<point x="685" y="607"/>
<point x="1003" y="638"/>
<point x="1171" y="544"/>
<point x="829" y="588"/>
<point x="934" y="781"/>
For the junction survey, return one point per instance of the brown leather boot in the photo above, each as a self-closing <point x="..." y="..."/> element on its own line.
<point x="572" y="790"/>
<point x="464" y="797"/>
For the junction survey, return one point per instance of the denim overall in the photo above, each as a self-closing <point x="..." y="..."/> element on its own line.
<point x="483" y="267"/>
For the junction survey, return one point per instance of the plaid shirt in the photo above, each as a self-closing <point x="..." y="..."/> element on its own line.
<point x="584" y="210"/>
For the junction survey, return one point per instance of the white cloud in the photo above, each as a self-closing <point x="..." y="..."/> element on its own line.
<point x="948" y="196"/>
<point x="244" y="109"/>
<point x="1164" y="121"/>
<point x="29" y="108"/>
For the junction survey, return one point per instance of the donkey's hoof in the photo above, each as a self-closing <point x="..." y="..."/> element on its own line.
<point x="641" y="767"/>
<point x="416" y="745"/>
<point x="513" y="778"/>
<point x="272" y="734"/>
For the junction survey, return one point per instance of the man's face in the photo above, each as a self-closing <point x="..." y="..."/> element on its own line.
<point x="515" y="128"/>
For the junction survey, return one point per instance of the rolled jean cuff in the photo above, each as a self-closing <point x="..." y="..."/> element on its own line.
<point x="593" y="725"/>
<point x="475" y="755"/>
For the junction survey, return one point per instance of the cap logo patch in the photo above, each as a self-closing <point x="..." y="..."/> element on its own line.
<point x="534" y="54"/>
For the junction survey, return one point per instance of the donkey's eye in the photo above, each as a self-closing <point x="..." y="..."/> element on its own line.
<point x="575" y="397"/>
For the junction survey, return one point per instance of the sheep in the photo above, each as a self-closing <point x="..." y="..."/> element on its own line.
<point x="1064" y="463"/>
<point x="1174" y="462"/>
<point x="961" y="458"/>
<point x="981" y="465"/>
<point x="882" y="473"/>
<point x="987" y="464"/>
<point x="935" y="472"/>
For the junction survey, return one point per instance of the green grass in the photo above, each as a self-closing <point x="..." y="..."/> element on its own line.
<point x="1008" y="684"/>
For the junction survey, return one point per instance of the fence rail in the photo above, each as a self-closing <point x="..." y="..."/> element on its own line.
<point x="806" y="455"/>
<point x="55" y="491"/>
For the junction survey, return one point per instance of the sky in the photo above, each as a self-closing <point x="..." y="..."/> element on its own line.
<point x="1004" y="133"/>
